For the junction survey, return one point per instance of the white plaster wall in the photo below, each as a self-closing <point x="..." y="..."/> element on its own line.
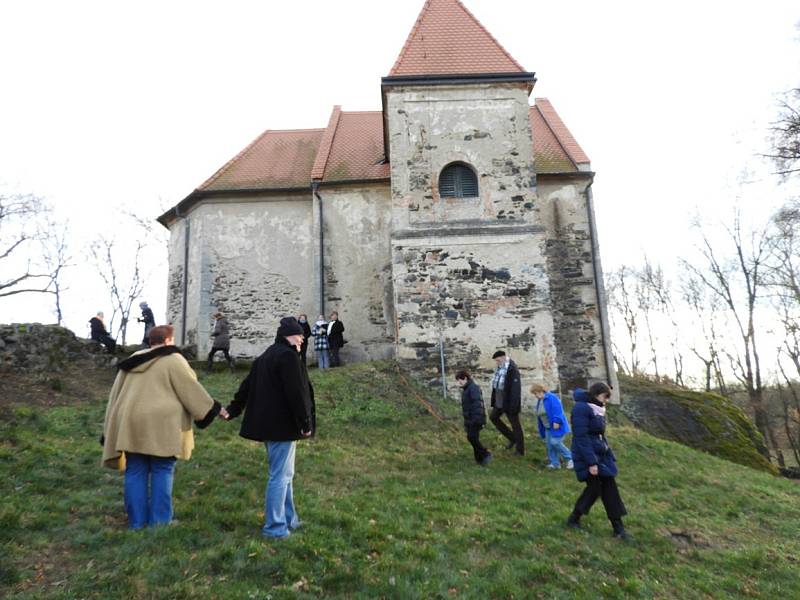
<point x="358" y="267"/>
<point x="252" y="259"/>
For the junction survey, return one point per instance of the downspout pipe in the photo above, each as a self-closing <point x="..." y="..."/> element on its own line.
<point x="315" y="191"/>
<point x="599" y="286"/>
<point x="185" y="290"/>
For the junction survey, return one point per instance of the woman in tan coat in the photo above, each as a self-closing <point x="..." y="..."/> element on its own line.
<point x="148" y="425"/>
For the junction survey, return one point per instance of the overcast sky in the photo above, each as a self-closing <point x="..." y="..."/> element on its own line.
<point x="109" y="104"/>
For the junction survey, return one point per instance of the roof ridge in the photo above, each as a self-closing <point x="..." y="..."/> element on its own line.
<point x="362" y="112"/>
<point x="555" y="135"/>
<point x="489" y="33"/>
<point x="568" y="143"/>
<point x="295" y="130"/>
<point x="244" y="151"/>
<point x="325" y="144"/>
<point x="405" y="47"/>
<point x="443" y="6"/>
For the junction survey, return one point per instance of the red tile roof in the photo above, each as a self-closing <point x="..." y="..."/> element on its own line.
<point x="274" y="160"/>
<point x="357" y="149"/>
<point x="351" y="149"/>
<point x="554" y="123"/>
<point x="448" y="40"/>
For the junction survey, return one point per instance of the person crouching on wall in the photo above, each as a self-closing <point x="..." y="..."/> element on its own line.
<point x="148" y="425"/>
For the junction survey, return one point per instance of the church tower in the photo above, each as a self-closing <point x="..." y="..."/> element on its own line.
<point x="468" y="245"/>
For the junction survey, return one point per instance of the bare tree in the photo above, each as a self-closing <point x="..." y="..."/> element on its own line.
<point x="786" y="135"/>
<point x="22" y="235"/>
<point x="56" y="257"/>
<point x="120" y="270"/>
<point x="659" y="294"/>
<point x="124" y="264"/>
<point x="706" y="346"/>
<point x="622" y="306"/>
<point x="739" y="284"/>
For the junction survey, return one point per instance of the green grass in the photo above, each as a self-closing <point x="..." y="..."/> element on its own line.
<point x="393" y="507"/>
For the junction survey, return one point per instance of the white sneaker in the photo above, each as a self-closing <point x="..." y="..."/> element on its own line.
<point x="570" y="465"/>
<point x="553" y="467"/>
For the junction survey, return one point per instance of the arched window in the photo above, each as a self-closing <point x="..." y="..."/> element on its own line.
<point x="458" y="180"/>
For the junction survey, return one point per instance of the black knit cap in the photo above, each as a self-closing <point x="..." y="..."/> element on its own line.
<point x="289" y="326"/>
<point x="498" y="354"/>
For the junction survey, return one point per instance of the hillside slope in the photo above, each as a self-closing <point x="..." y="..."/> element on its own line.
<point x="393" y="507"/>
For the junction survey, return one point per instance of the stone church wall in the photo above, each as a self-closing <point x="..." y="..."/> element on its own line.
<point x="472" y="269"/>
<point x="249" y="258"/>
<point x="358" y="267"/>
<point x="578" y="334"/>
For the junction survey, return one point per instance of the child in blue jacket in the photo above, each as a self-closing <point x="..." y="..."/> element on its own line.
<point x="553" y="426"/>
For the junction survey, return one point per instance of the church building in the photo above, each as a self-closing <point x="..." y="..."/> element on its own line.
<point x="455" y="221"/>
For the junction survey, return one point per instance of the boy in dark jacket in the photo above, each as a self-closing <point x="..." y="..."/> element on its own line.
<point x="474" y="415"/>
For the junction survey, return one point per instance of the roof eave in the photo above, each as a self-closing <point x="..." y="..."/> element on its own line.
<point x="459" y="79"/>
<point x="187" y="204"/>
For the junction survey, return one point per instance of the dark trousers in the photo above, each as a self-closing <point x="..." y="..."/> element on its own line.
<point x="107" y="341"/>
<point x="606" y="489"/>
<point x="512" y="435"/>
<point x="474" y="438"/>
<point x="224" y="353"/>
<point x="303" y="351"/>
<point x="335" y="360"/>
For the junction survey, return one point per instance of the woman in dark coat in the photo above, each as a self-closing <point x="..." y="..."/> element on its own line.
<point x="593" y="458"/>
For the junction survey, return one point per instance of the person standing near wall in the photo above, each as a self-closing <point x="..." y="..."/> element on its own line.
<point x="303" y="320"/>
<point x="335" y="338"/>
<point x="149" y="322"/>
<point x="474" y="415"/>
<point x="320" y="333"/>
<point x="553" y="426"/>
<point x="595" y="462"/>
<point x="221" y="343"/>
<point x="507" y="399"/>
<point x="278" y="404"/>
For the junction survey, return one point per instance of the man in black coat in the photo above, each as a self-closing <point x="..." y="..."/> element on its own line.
<point x="335" y="338"/>
<point x="278" y="403"/>
<point x="507" y="399"/>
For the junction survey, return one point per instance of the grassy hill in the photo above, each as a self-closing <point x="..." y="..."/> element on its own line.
<point x="393" y="507"/>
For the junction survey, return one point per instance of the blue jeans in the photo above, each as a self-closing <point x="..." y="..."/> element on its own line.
<point x="279" y="514"/>
<point x="556" y="448"/>
<point x="151" y="506"/>
<point x="323" y="360"/>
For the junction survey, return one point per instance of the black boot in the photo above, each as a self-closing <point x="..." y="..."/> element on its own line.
<point x="619" y="530"/>
<point x="574" y="520"/>
<point x="232" y="366"/>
